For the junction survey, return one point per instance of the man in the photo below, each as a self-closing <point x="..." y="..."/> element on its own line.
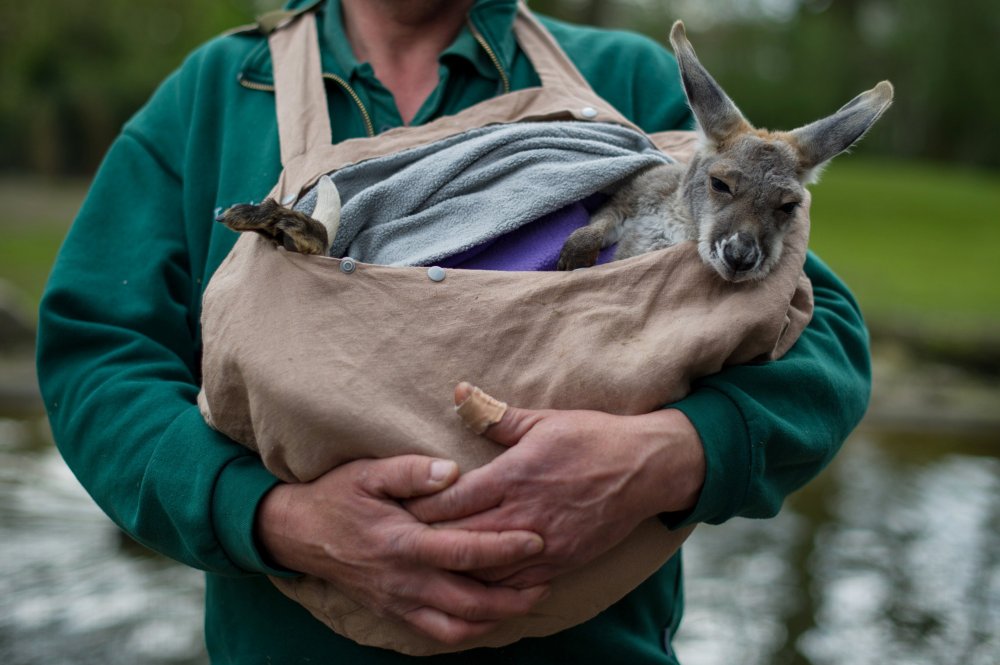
<point x="118" y="362"/>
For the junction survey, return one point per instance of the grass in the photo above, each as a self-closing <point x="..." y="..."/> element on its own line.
<point x="25" y="258"/>
<point x="916" y="242"/>
<point x="34" y="218"/>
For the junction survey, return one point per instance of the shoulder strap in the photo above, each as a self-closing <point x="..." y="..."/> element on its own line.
<point x="553" y="66"/>
<point x="299" y="91"/>
<point x="272" y="20"/>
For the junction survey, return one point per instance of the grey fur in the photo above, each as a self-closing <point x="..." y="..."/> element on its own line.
<point x="739" y="195"/>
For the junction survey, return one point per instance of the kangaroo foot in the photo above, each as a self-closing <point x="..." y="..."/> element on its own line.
<point x="581" y="249"/>
<point x="294" y="230"/>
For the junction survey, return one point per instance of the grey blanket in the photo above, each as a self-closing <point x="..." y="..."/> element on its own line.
<point x="427" y="203"/>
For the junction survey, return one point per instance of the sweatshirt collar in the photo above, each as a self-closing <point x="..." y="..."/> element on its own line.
<point x="493" y="19"/>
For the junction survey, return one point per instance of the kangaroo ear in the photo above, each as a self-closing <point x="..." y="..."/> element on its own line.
<point x="327" y="210"/>
<point x="821" y="141"/>
<point x="718" y="118"/>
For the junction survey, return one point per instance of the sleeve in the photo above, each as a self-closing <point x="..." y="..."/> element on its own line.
<point x="768" y="428"/>
<point x="118" y="364"/>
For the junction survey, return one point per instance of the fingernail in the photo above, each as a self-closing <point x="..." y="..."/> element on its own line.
<point x="534" y="546"/>
<point x="441" y="469"/>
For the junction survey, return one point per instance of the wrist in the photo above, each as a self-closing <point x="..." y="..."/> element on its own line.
<point x="270" y="529"/>
<point x="673" y="464"/>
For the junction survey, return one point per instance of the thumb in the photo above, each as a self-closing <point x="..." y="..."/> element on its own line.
<point x="514" y="424"/>
<point x="489" y="416"/>
<point x="407" y="476"/>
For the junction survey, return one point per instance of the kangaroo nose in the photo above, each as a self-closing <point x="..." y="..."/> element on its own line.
<point x="740" y="252"/>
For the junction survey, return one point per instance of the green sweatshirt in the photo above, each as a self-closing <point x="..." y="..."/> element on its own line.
<point x="119" y="338"/>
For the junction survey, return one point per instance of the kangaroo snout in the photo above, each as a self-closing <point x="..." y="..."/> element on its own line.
<point x="740" y="253"/>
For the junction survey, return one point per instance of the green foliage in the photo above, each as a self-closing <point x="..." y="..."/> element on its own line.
<point x="73" y="72"/>
<point x="788" y="62"/>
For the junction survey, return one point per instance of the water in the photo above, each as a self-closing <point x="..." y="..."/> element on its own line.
<point x="74" y="590"/>
<point x="892" y="556"/>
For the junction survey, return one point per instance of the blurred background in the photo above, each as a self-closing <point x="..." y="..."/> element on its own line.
<point x="892" y="556"/>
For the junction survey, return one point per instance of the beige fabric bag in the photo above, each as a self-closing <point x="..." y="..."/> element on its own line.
<point x="313" y="364"/>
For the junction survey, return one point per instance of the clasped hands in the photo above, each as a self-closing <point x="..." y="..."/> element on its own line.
<point x="451" y="555"/>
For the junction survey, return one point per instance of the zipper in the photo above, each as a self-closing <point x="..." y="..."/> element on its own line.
<point x="263" y="87"/>
<point x="489" y="52"/>
<point x="369" y="126"/>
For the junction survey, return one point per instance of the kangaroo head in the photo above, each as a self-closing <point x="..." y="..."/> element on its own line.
<point x="745" y="185"/>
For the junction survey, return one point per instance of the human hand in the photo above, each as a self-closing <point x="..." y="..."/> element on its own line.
<point x="583" y="480"/>
<point x="348" y="527"/>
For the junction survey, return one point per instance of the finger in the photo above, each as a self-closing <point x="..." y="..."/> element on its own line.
<point x="407" y="476"/>
<point x="513" y="422"/>
<point x="469" y="600"/>
<point x="478" y="490"/>
<point x="454" y="549"/>
<point x="497" y="573"/>
<point x="495" y="519"/>
<point x="477" y="409"/>
<point x="530" y="577"/>
<point x="446" y="629"/>
<point x="520" y="575"/>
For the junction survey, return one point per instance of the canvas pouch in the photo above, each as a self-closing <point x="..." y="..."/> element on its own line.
<point x="314" y="362"/>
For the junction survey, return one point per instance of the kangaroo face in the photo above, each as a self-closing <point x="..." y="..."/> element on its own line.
<point x="744" y="198"/>
<point x="745" y="184"/>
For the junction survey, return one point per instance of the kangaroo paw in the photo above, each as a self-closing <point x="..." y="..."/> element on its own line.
<point x="581" y="249"/>
<point x="294" y="230"/>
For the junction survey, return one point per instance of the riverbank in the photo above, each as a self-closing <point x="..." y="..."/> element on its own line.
<point x="916" y="242"/>
<point x="918" y="386"/>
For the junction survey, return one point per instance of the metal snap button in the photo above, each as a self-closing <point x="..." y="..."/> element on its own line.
<point x="347" y="265"/>
<point x="436" y="273"/>
<point x="588" y="112"/>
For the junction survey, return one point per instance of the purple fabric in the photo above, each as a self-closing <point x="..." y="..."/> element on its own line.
<point x="534" y="246"/>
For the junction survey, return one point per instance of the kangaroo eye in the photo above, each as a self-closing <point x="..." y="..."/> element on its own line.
<point x="720" y="186"/>
<point x="789" y="208"/>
